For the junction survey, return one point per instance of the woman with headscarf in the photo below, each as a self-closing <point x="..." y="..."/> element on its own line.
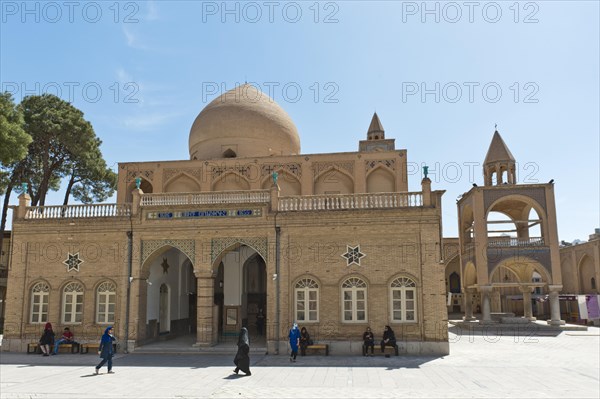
<point x="47" y="339"/>
<point x="242" y="357"/>
<point x="294" y="336"/>
<point x="105" y="350"/>
<point x="389" y="339"/>
<point x="304" y="341"/>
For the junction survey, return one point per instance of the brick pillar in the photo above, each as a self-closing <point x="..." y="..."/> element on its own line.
<point x="204" y="315"/>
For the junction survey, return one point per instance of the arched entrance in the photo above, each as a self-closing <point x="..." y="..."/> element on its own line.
<point x="167" y="292"/>
<point x="240" y="288"/>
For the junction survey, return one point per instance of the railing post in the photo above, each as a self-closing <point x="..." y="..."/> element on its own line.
<point x="274" y="198"/>
<point x="24" y="202"/>
<point x="426" y="188"/>
<point x="136" y="201"/>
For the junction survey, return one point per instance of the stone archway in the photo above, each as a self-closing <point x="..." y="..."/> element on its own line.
<point x="167" y="290"/>
<point x="240" y="290"/>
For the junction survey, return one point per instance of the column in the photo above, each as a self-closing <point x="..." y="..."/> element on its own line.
<point x="485" y="304"/>
<point x="555" y="306"/>
<point x="204" y="314"/>
<point x="468" y="298"/>
<point x="527" y="308"/>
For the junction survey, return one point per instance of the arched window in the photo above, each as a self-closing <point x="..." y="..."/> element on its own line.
<point x="105" y="303"/>
<point x="354" y="300"/>
<point x="307" y="300"/>
<point x="39" y="303"/>
<point x="72" y="303"/>
<point x="404" y="300"/>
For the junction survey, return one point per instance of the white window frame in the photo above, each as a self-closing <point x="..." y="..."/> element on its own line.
<point x="403" y="285"/>
<point x="73" y="298"/>
<point x="41" y="292"/>
<point x="306" y="286"/>
<point x="354" y="285"/>
<point x="103" y="294"/>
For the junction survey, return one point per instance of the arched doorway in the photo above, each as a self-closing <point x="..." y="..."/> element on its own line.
<point x="240" y="291"/>
<point x="167" y="292"/>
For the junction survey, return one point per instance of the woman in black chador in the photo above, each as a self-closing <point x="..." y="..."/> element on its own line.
<point x="242" y="358"/>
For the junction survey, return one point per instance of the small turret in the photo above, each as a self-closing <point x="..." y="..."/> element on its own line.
<point x="498" y="160"/>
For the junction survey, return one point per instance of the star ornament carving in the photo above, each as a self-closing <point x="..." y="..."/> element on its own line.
<point x="353" y="255"/>
<point x="72" y="262"/>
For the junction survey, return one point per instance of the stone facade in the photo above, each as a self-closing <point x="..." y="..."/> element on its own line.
<point x="333" y="241"/>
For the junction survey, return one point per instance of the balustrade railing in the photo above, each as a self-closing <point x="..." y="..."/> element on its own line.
<point x="78" y="211"/>
<point x="350" y="201"/>
<point x="516" y="242"/>
<point x="222" y="197"/>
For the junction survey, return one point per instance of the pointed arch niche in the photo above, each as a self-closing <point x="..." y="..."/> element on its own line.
<point x="288" y="184"/>
<point x="182" y="183"/>
<point x="381" y="180"/>
<point x="231" y="182"/>
<point x="334" y="181"/>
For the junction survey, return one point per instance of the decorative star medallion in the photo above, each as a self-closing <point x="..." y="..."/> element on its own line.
<point x="353" y="255"/>
<point x="165" y="266"/>
<point x="72" y="262"/>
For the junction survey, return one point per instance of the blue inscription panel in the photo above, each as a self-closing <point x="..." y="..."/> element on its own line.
<point x="201" y="214"/>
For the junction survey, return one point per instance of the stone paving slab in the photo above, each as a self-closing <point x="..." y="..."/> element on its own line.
<point x="479" y="366"/>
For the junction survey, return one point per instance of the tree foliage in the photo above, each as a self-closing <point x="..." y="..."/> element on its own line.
<point x="13" y="139"/>
<point x="63" y="145"/>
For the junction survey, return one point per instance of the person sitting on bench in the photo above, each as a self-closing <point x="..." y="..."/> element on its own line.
<point x="67" y="338"/>
<point x="389" y="339"/>
<point x="368" y="341"/>
<point x="304" y="341"/>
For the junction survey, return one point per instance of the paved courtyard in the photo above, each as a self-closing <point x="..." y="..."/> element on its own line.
<point x="565" y="366"/>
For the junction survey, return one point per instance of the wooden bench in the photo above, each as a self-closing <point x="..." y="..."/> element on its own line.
<point x="74" y="347"/>
<point x="317" y="347"/>
<point x="391" y="349"/>
<point x="34" y="347"/>
<point x="85" y="348"/>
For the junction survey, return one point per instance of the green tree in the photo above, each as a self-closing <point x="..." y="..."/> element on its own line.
<point x="60" y="136"/>
<point x="90" y="180"/>
<point x="64" y="144"/>
<point x="13" y="139"/>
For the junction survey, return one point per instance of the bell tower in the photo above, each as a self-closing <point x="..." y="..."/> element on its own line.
<point x="508" y="240"/>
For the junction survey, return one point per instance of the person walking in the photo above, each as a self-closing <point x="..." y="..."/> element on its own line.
<point x="46" y="339"/>
<point x="294" y="337"/>
<point x="242" y="357"/>
<point x="105" y="350"/>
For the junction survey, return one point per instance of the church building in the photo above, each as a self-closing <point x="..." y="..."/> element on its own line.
<point x="248" y="226"/>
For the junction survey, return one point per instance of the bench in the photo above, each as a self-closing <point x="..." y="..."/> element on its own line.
<point x="74" y="347"/>
<point x="34" y="347"/>
<point x="391" y="349"/>
<point x="85" y="348"/>
<point x="317" y="347"/>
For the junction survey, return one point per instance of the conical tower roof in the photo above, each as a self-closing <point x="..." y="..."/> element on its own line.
<point x="375" y="126"/>
<point x="498" y="151"/>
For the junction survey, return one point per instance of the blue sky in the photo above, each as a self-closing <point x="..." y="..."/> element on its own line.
<point x="439" y="74"/>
